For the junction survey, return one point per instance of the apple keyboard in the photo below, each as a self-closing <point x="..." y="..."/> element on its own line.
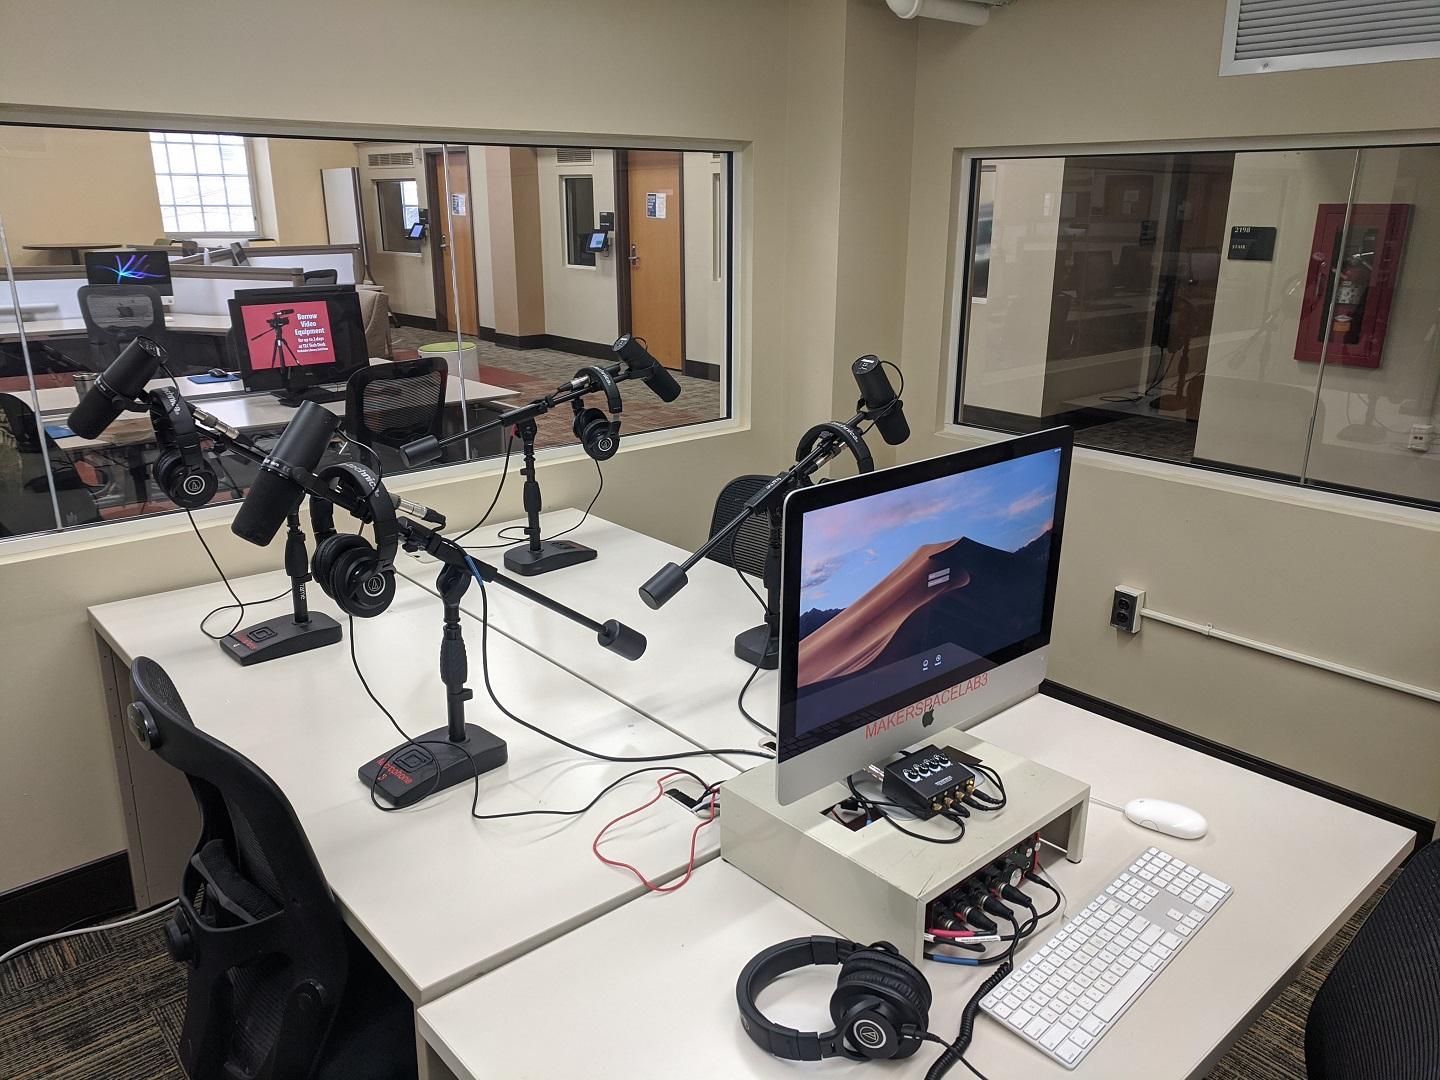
<point x="1075" y="987"/>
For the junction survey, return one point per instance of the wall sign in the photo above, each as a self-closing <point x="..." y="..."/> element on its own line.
<point x="1252" y="243"/>
<point x="457" y="205"/>
<point x="655" y="204"/>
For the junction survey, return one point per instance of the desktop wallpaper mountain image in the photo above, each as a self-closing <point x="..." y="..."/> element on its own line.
<point x="962" y="592"/>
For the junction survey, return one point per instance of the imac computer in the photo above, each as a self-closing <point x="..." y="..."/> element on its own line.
<point x="147" y="267"/>
<point x="294" y="341"/>
<point x="901" y="590"/>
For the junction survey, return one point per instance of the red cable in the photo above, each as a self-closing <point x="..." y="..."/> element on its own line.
<point x="952" y="933"/>
<point x="694" y="839"/>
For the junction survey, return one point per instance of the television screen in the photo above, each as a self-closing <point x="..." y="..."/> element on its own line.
<point x="901" y="587"/>
<point x="296" y="335"/>
<point x="149" y="267"/>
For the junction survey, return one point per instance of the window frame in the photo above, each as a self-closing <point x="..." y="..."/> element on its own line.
<point x="376" y="181"/>
<point x="573" y="245"/>
<point x="964" y="192"/>
<point x="247" y="141"/>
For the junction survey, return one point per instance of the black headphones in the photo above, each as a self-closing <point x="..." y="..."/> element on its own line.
<point x="599" y="434"/>
<point x="181" y="470"/>
<point x="358" y="577"/>
<point x="880" y="1006"/>
<point x="846" y="434"/>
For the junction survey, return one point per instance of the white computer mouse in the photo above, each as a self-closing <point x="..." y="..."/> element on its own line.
<point x="1170" y="818"/>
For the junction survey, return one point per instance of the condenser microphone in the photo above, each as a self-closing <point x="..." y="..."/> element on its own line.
<point x="117" y="388"/>
<point x="879" y="397"/>
<point x="276" y="494"/>
<point x="638" y="359"/>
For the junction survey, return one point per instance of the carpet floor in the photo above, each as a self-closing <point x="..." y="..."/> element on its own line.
<point x="108" y="1006"/>
<point x="534" y="372"/>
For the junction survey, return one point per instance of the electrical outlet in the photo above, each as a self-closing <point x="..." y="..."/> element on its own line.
<point x="1125" y="608"/>
<point x="1421" y="436"/>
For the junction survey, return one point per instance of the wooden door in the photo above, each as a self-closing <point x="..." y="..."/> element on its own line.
<point x="452" y="240"/>
<point x="653" y="254"/>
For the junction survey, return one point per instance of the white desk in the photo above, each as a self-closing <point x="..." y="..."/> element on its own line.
<point x="180" y="323"/>
<point x="649" y="989"/>
<point x="437" y="897"/>
<point x="688" y="678"/>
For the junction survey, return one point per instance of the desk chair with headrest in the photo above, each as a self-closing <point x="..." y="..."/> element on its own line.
<point x="1377" y="1015"/>
<point x="278" y="989"/>
<point x="388" y="405"/>
<point x="237" y="252"/>
<point x="116" y="315"/>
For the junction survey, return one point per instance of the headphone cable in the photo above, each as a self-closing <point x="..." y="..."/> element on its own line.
<point x="511" y="542"/>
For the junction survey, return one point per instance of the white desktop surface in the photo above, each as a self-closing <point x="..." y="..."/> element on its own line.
<point x="49" y="328"/>
<point x="689" y="677"/>
<point x="437" y="897"/>
<point x="650" y="988"/>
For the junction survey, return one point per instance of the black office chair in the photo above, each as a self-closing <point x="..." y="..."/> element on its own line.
<point x="116" y="315"/>
<point x="237" y="252"/>
<point x="388" y="405"/>
<point x="1377" y="1015"/>
<point x="278" y="988"/>
<point x="751" y="548"/>
<point x="321" y="277"/>
<point x="25" y="505"/>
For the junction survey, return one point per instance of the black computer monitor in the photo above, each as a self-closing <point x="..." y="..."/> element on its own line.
<point x="146" y="267"/>
<point x="923" y="585"/>
<point x="292" y="339"/>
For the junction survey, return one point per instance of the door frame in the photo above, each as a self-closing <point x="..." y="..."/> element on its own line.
<point x="622" y="243"/>
<point x="437" y="167"/>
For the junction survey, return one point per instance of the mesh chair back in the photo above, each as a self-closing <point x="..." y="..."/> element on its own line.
<point x="257" y="923"/>
<point x="237" y="252"/>
<point x="116" y="315"/>
<point x="321" y="277"/>
<point x="750" y="549"/>
<point x="1377" y="1015"/>
<point x="388" y="405"/>
<point x="25" y="505"/>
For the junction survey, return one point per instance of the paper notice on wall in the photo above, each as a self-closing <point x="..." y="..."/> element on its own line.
<point x="655" y="204"/>
<point x="457" y="205"/>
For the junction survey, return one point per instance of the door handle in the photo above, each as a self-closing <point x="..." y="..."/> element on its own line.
<point x="634" y="255"/>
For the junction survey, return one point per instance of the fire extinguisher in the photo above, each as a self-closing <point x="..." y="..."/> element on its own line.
<point x="1349" y="295"/>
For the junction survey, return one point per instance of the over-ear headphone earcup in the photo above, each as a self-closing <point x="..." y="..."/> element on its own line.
<point x="326" y="553"/>
<point x="900" y="995"/>
<point x="185" y="487"/>
<point x="592" y="428"/>
<point x="361" y="588"/>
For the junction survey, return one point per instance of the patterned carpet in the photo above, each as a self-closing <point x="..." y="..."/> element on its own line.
<point x="108" y="1006"/>
<point x="534" y="372"/>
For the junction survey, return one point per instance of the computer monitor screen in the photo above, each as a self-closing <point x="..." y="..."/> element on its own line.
<point x="148" y="267"/>
<point x="913" y="587"/>
<point x="296" y="338"/>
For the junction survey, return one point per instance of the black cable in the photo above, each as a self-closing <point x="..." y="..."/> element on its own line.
<point x="740" y="704"/>
<point x="735" y="565"/>
<point x="504" y="472"/>
<point x="226" y="607"/>
<point x="511" y="541"/>
<point x="490" y="689"/>
<point x="866" y="802"/>
<point x="704" y="787"/>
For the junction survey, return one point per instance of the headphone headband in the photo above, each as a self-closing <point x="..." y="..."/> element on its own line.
<point x="769" y="965"/>
<point x="614" y="404"/>
<point x="846" y="434"/>
<point x="381" y="509"/>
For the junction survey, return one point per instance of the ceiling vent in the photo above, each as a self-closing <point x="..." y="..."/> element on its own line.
<point x="1284" y="35"/>
<point x="399" y="160"/>
<point x="572" y="156"/>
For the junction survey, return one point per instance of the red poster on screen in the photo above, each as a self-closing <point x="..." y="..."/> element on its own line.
<point x="304" y="335"/>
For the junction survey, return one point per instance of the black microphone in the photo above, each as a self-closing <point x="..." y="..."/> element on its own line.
<point x="879" y="397"/>
<point x="421" y="451"/>
<point x="275" y="494"/>
<point x="663" y="584"/>
<point x="116" y="388"/>
<point x="619" y="638"/>
<point x="638" y="359"/>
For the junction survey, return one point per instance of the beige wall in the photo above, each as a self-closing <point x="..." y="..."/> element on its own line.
<point x="58" y="186"/>
<point x="298" y="203"/>
<point x="406" y="276"/>
<point x="1341" y="578"/>
<point x="580" y="301"/>
<point x="704" y="292"/>
<point x="53" y="710"/>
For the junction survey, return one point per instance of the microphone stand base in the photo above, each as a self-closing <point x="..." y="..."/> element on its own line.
<point x="280" y="636"/>
<point x="409" y="770"/>
<point x="757" y="646"/>
<point x="553" y="555"/>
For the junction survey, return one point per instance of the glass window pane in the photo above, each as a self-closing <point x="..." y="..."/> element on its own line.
<point x="397" y="212"/>
<point x="187" y="190"/>
<point x="1379" y="397"/>
<point x="233" y="159"/>
<point x="189" y="219"/>
<point x="163" y="186"/>
<point x="182" y="158"/>
<point x="217" y="219"/>
<point x="207" y="159"/>
<point x="237" y="190"/>
<point x="242" y="219"/>
<point x="200" y="138"/>
<point x="212" y="190"/>
<point x="168" y="219"/>
<point x="579" y="219"/>
<point x="162" y="160"/>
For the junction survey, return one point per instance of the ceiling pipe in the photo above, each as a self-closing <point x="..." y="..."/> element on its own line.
<point x="969" y="12"/>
